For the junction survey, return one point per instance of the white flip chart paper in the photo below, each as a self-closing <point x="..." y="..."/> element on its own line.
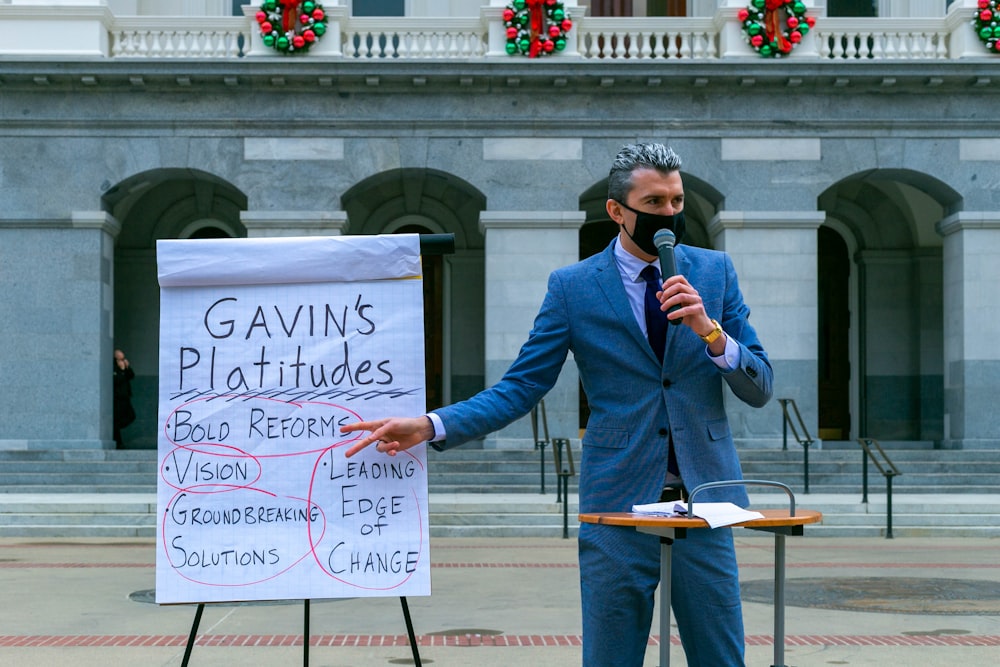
<point x="267" y="347"/>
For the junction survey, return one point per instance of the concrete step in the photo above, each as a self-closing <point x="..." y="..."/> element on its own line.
<point x="62" y="467"/>
<point x="67" y="520"/>
<point x="854" y="446"/>
<point x="524" y="515"/>
<point x="111" y="455"/>
<point x="69" y="489"/>
<point x="913" y="515"/>
<point x="87" y="531"/>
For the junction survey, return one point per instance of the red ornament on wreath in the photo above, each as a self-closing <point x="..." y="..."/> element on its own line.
<point x="986" y="23"/>
<point x="774" y="27"/>
<point x="536" y="27"/>
<point x="290" y="26"/>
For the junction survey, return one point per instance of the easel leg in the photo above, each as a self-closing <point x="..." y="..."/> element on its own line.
<point x="305" y="634"/>
<point x="193" y="634"/>
<point x="409" y="631"/>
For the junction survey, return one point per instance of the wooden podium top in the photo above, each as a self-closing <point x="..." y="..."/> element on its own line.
<point x="772" y="519"/>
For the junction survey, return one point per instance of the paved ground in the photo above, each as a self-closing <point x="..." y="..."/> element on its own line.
<point x="504" y="601"/>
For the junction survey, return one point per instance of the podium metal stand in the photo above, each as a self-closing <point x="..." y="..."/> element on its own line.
<point x="668" y="528"/>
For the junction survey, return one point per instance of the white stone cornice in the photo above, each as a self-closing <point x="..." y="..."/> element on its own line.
<point x="96" y="220"/>
<point x="293" y="223"/>
<point x="968" y="220"/>
<point x="531" y="220"/>
<point x="724" y="220"/>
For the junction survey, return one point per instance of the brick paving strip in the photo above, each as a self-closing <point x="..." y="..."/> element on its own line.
<point x="521" y="566"/>
<point x="512" y="641"/>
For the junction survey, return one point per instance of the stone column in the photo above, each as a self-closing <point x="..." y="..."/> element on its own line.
<point x="971" y="329"/>
<point x="889" y="362"/>
<point x="273" y="224"/>
<point x="56" y="329"/>
<point x="774" y="253"/>
<point x="963" y="42"/>
<point x="522" y="249"/>
<point x="55" y="27"/>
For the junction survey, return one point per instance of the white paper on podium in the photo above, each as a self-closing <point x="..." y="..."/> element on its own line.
<point x="267" y="347"/>
<point x="714" y="514"/>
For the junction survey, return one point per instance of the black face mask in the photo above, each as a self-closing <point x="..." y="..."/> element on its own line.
<point x="647" y="224"/>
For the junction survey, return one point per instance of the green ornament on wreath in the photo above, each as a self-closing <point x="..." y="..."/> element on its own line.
<point x="774" y="27"/>
<point x="290" y="26"/>
<point x="987" y="24"/>
<point x="536" y="27"/>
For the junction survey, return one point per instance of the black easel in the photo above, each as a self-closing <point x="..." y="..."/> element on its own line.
<point x="305" y="633"/>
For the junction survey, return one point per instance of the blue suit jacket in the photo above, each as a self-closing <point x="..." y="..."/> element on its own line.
<point x="635" y="402"/>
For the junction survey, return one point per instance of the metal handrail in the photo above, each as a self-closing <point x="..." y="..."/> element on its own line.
<point x="805" y="439"/>
<point x="539" y="412"/>
<point x="889" y="471"/>
<point x="564" y="466"/>
<point x="564" y="470"/>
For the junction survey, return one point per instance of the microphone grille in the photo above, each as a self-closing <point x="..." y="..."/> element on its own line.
<point x="664" y="238"/>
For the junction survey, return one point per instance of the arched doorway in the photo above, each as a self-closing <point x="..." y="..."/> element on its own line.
<point x="153" y="205"/>
<point x="834" y="326"/>
<point x="436" y="369"/>
<point x="883" y="221"/>
<point x="429" y="201"/>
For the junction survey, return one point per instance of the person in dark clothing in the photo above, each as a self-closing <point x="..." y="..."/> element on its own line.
<point x="124" y="413"/>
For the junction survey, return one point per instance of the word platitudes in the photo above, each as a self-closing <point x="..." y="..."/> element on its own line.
<point x="235" y="368"/>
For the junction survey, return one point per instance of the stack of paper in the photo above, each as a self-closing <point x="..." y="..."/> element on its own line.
<point x="714" y="514"/>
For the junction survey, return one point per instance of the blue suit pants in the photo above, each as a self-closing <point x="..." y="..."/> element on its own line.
<point x="619" y="573"/>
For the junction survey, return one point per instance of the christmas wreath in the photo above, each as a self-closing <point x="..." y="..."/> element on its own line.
<point x="290" y="26"/>
<point x="536" y="27"/>
<point x="774" y="27"/>
<point x="987" y="24"/>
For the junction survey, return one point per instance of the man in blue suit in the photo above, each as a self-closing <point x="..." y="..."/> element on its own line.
<point x="657" y="415"/>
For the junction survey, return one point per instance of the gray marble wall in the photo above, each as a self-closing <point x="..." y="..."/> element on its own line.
<point x="771" y="151"/>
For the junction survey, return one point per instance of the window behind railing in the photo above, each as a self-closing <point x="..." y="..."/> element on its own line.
<point x="852" y="8"/>
<point x="378" y="8"/>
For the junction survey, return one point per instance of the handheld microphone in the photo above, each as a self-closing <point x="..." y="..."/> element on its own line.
<point x="664" y="241"/>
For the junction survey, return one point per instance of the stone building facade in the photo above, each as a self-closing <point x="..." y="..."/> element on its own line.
<point x="856" y="185"/>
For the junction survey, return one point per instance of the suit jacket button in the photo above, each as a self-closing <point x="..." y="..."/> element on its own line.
<point x="663" y="431"/>
<point x="751" y="372"/>
<point x="666" y="384"/>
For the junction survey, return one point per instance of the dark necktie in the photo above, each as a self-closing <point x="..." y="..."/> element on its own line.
<point x="656" y="332"/>
<point x="656" y="319"/>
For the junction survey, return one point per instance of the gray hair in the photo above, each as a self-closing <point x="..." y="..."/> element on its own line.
<point x="639" y="156"/>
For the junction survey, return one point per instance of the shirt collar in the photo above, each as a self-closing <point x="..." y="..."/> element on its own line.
<point x="629" y="265"/>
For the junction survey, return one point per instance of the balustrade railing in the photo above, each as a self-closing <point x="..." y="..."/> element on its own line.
<point x="648" y="38"/>
<point x="609" y="39"/>
<point x="179" y="37"/>
<point x="882" y="39"/>
<point x="448" y="38"/>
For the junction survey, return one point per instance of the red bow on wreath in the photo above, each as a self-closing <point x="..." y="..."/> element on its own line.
<point x="772" y="24"/>
<point x="537" y="14"/>
<point x="288" y="15"/>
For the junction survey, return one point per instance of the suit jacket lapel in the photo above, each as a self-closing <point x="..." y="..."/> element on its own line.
<point x="609" y="279"/>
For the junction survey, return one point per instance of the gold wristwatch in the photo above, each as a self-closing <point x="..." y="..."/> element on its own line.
<point x="713" y="334"/>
